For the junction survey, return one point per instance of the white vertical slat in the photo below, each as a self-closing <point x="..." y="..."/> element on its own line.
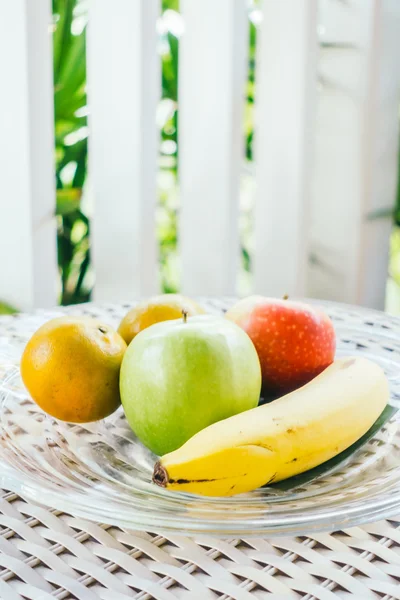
<point x="356" y="150"/>
<point x="285" y="93"/>
<point x="124" y="88"/>
<point x="27" y="224"/>
<point x="211" y="145"/>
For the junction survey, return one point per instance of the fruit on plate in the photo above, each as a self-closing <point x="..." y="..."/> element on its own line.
<point x="70" y="367"/>
<point x="284" y="438"/>
<point x="180" y="376"/>
<point x="295" y="341"/>
<point x="165" y="307"/>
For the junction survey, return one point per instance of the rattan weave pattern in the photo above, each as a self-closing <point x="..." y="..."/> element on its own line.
<point x="47" y="554"/>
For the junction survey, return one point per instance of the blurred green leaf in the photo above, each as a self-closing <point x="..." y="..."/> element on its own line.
<point x="174" y="48"/>
<point x="63" y="9"/>
<point x="65" y="106"/>
<point x="65" y="254"/>
<point x="73" y="70"/>
<point x="397" y="209"/>
<point x="6" y="309"/>
<point x="246" y="259"/>
<point x="72" y="154"/>
<point x="64" y="127"/>
<point x="82" y="273"/>
<point x="70" y="93"/>
<point x="252" y="39"/>
<point x="80" y="172"/>
<point x="68" y="200"/>
<point x="170" y="5"/>
<point x="169" y="70"/>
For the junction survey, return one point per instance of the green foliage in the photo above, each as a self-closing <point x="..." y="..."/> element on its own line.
<point x="71" y="148"/>
<point x="250" y="87"/>
<point x="6" y="309"/>
<point x="167" y="232"/>
<point x="397" y="207"/>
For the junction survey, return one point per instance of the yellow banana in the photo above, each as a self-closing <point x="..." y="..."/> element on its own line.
<point x="278" y="440"/>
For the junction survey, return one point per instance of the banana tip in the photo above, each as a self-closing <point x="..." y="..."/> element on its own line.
<point x="160" y="475"/>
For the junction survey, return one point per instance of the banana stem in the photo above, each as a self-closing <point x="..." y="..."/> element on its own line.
<point x="160" y="475"/>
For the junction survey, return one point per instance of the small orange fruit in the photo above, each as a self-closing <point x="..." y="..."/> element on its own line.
<point x="166" y="307"/>
<point x="70" y="367"/>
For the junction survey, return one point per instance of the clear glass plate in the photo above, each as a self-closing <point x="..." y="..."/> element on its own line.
<point x="101" y="472"/>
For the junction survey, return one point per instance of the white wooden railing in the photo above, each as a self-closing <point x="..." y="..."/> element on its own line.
<point x="326" y="147"/>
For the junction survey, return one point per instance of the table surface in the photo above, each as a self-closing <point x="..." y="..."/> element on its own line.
<point x="45" y="554"/>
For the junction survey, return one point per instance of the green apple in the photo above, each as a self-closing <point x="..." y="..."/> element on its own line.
<point x="178" y="377"/>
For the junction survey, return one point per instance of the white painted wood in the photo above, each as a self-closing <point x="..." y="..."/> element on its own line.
<point x="27" y="199"/>
<point x="285" y="101"/>
<point x="124" y="87"/>
<point x="211" y="146"/>
<point x="356" y="150"/>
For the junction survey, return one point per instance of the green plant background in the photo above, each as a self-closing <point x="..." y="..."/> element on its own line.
<point x="71" y="149"/>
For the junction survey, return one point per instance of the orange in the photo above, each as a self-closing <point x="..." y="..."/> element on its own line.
<point x="70" y="367"/>
<point x="166" y="307"/>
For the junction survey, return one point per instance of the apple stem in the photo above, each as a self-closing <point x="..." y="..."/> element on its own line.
<point x="184" y="315"/>
<point x="286" y="297"/>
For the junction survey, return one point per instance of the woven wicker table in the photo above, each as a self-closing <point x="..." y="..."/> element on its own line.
<point x="48" y="554"/>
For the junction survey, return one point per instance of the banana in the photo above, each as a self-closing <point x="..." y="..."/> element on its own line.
<point x="278" y="440"/>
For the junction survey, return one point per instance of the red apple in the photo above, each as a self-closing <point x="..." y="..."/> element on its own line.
<point x="294" y="341"/>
